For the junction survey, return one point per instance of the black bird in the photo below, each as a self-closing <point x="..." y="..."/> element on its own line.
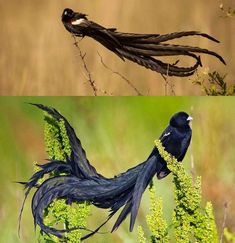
<point x="139" y="48"/>
<point x="82" y="182"/>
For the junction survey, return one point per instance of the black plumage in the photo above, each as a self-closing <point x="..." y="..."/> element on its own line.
<point x="139" y="48"/>
<point x="82" y="182"/>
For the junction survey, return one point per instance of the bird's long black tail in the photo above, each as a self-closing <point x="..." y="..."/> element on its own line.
<point x="143" y="50"/>
<point x="124" y="190"/>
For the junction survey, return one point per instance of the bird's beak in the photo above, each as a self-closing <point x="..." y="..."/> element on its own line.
<point x="189" y="118"/>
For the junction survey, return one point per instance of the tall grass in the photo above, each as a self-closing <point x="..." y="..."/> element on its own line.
<point x="38" y="56"/>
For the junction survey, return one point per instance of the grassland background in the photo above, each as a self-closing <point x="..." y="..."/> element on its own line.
<point x="117" y="133"/>
<point x="38" y="56"/>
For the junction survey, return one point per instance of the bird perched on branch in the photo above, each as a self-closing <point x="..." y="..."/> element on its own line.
<point x="82" y="183"/>
<point x="139" y="48"/>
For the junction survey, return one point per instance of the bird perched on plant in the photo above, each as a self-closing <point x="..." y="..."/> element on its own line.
<point x="76" y="180"/>
<point x="139" y="48"/>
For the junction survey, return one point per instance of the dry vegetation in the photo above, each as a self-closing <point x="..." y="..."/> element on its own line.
<point x="38" y="56"/>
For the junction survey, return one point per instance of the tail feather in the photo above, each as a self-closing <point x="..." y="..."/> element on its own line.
<point x="142" y="182"/>
<point x="161" y="67"/>
<point x="128" y="37"/>
<point x="53" y="166"/>
<point x="126" y="210"/>
<point x="159" y="49"/>
<point x="80" y="163"/>
<point x="171" y="36"/>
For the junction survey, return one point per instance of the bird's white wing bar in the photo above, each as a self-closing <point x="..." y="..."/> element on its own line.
<point x="77" y="21"/>
<point x="166" y="134"/>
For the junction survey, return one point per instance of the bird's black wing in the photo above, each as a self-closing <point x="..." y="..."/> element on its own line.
<point x="185" y="145"/>
<point x="166" y="139"/>
<point x="103" y="35"/>
<point x="163" y="139"/>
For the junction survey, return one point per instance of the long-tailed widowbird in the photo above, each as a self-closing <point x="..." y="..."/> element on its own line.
<point x="140" y="48"/>
<point x="82" y="183"/>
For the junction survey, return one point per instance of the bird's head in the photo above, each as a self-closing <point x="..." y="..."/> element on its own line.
<point x="67" y="14"/>
<point x="180" y="119"/>
<point x="74" y="18"/>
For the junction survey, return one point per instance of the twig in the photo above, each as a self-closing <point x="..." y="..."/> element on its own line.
<point x="105" y="92"/>
<point x="226" y="206"/>
<point x="120" y="75"/>
<point x="193" y="171"/>
<point x="168" y="83"/>
<point x="89" y="78"/>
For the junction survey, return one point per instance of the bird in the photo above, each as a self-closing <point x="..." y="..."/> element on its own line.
<point x="140" y="48"/>
<point x="76" y="180"/>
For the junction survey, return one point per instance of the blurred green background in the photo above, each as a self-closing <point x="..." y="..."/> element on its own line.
<point x="38" y="56"/>
<point x="117" y="133"/>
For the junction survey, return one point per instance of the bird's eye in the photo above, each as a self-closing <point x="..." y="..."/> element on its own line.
<point x="65" y="12"/>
